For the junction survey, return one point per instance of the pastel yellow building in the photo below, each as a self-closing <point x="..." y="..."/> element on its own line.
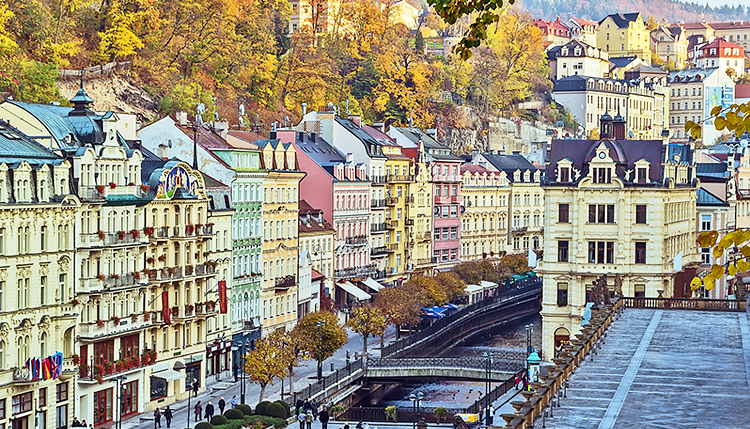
<point x="484" y="224"/>
<point x="398" y="176"/>
<point x="624" y="35"/>
<point x="621" y="208"/>
<point x="309" y="14"/>
<point x="280" y="238"/>
<point x="419" y="211"/>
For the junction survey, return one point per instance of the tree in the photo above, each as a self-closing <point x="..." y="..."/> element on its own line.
<point x="267" y="362"/>
<point x="419" y="42"/>
<point x="427" y="290"/>
<point x="514" y="264"/>
<point x="451" y="284"/>
<point x="367" y="320"/>
<point x="321" y="341"/>
<point x="738" y="239"/>
<point x="294" y="352"/>
<point x="400" y="305"/>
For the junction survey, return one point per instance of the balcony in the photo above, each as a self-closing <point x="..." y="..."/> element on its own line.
<point x="283" y="283"/>
<point x="519" y="229"/>
<point x="122" y="238"/>
<point x="393" y="247"/>
<point x="391" y="201"/>
<point x="379" y="275"/>
<point x="380" y="203"/>
<point x="91" y="240"/>
<point x="91" y="193"/>
<point x="378" y="179"/>
<point x="391" y="224"/>
<point x="425" y="261"/>
<point x="205" y="269"/>
<point x="103" y="371"/>
<point x="456" y="199"/>
<point x="399" y="178"/>
<point x="205" y="309"/>
<point x="377" y="227"/>
<point x="442" y="199"/>
<point x="364" y="271"/>
<point x="113" y="327"/>
<point x="359" y="240"/>
<point x="409" y="222"/>
<point x="118" y="281"/>
<point x="409" y="200"/>
<point x="424" y="236"/>
<point x="381" y="250"/>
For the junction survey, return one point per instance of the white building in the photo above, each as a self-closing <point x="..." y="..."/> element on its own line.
<point x="693" y="94"/>
<point x="576" y="57"/>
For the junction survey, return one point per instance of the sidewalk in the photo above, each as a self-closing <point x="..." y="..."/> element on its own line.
<point x="305" y="374"/>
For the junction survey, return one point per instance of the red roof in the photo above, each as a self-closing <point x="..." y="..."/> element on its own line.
<point x="317" y="275"/>
<point x="582" y="22"/>
<point x="731" y="25"/>
<point x="693" y="25"/>
<point x="742" y="90"/>
<point x="555" y="28"/>
<point x="377" y="134"/>
<point x="475" y="169"/>
<point x="315" y="214"/>
<point x="721" y="44"/>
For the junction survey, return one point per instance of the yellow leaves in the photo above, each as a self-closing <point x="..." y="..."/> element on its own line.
<point x="732" y="270"/>
<point x="708" y="238"/>
<point x="694" y="129"/>
<point x="696" y="283"/>
<point x="367" y="320"/>
<point x="718" y="251"/>
<point x="743" y="266"/>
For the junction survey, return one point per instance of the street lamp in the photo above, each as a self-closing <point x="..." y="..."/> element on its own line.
<point x="415" y="399"/>
<point x="242" y="371"/>
<point x="179" y="366"/>
<point x="529" y="348"/>
<point x="118" y="383"/>
<point x="320" y="326"/>
<point x="487" y="387"/>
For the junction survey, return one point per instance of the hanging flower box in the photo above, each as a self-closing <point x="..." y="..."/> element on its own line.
<point x="146" y="358"/>
<point x="133" y="318"/>
<point x="150" y="260"/>
<point x="115" y="320"/>
<point x="131" y="184"/>
<point x="149" y="231"/>
<point x="162" y="258"/>
<point x="119" y="365"/>
<point x="101" y="235"/>
<point x="114" y="276"/>
<point x="75" y="301"/>
<point x="136" y="275"/>
<point x="83" y="370"/>
<point x="153" y="355"/>
<point x="147" y="316"/>
<point x="189" y="229"/>
<point x="120" y="235"/>
<point x="189" y="307"/>
<point x="100" y="323"/>
<point x="135" y="233"/>
<point x="76" y="359"/>
<point x="100" y="189"/>
<point x="101" y="277"/>
<point x="145" y="188"/>
<point x="175" y="311"/>
<point x="112" y="185"/>
<point x="99" y="378"/>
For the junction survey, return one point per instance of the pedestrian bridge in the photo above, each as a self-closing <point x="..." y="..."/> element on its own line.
<point x="461" y="368"/>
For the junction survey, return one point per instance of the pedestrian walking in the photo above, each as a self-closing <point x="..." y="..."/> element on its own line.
<point x="309" y="419"/>
<point x="157" y="418"/>
<point x="197" y="411"/>
<point x="209" y="411"/>
<point x="222" y="404"/>
<point x="299" y="405"/>
<point x="323" y="417"/>
<point x="168" y="416"/>
<point x="83" y="424"/>
<point x="301" y="418"/>
<point x="233" y="401"/>
<point x="307" y="404"/>
<point x="314" y="408"/>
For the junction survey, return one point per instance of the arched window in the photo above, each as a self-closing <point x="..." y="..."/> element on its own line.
<point x="43" y="344"/>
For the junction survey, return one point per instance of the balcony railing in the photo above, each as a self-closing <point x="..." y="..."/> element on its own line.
<point x="90" y="193"/>
<point x="358" y="240"/>
<point x="409" y="200"/>
<point x="409" y="222"/>
<point x="124" y="237"/>
<point x="110" y="327"/>
<point x="162" y="232"/>
<point x="393" y="247"/>
<point x="363" y="271"/>
<point x="377" y="227"/>
<point x="285" y="282"/>
<point x="375" y="203"/>
<point x="391" y="201"/>
<point x="391" y="224"/>
<point x="378" y="179"/>
<point x="380" y="250"/>
<point x="400" y="178"/>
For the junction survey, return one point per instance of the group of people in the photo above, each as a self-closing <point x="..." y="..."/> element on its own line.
<point x="77" y="424"/>
<point x="167" y="414"/>
<point x="307" y="412"/>
<point x="208" y="411"/>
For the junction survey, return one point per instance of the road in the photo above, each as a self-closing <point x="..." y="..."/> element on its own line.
<point x="305" y="373"/>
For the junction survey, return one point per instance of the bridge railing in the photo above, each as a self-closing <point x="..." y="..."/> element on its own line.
<point x="511" y="362"/>
<point x="442" y="323"/>
<point x="403" y="415"/>
<point x="685" y="304"/>
<point x="496" y="393"/>
<point x="332" y="380"/>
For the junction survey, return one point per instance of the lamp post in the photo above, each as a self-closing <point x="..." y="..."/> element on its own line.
<point x="118" y="385"/>
<point x="415" y="399"/>
<point x="487" y="387"/>
<point x="242" y="371"/>
<point x="529" y="348"/>
<point x="320" y="326"/>
<point x="179" y="366"/>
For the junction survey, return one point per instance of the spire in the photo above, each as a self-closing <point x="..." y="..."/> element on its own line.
<point x="81" y="101"/>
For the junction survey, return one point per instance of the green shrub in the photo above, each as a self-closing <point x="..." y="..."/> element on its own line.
<point x="246" y="409"/>
<point x="219" y="420"/>
<point x="286" y="407"/>
<point x="265" y="421"/>
<point x="261" y="408"/>
<point x="234" y="414"/>
<point x="204" y="425"/>
<point x="233" y="424"/>
<point x="275" y="410"/>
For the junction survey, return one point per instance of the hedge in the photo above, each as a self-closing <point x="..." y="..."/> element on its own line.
<point x="261" y="407"/>
<point x="286" y="407"/>
<point x="246" y="409"/>
<point x="234" y="414"/>
<point x="204" y="425"/>
<point x="219" y="420"/>
<point x="276" y="410"/>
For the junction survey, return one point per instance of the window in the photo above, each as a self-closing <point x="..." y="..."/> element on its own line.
<point x="705" y="222"/>
<point x="641" y="173"/>
<point x="61" y="392"/>
<point x="454" y="232"/>
<point x="562" y="294"/>
<point x="706" y="255"/>
<point x="22" y="403"/>
<point x="43" y="238"/>
<point x="601" y="252"/>
<point x="454" y="211"/>
<point x="2" y="409"/>
<point x="601" y="213"/>
<point x="640" y="252"/>
<point x="445" y="211"/>
<point x="640" y="213"/>
<point x="564" y="174"/>
<point x="62" y="417"/>
<point x="602" y="175"/>
<point x="437" y="234"/>
<point x="445" y="233"/>
<point x="103" y="406"/>
<point x="562" y="251"/>
<point x="563" y="213"/>
<point x="640" y="291"/>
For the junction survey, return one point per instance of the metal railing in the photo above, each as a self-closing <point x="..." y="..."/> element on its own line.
<point x="508" y="298"/>
<point x="377" y="203"/>
<point x="356" y="240"/>
<point x="685" y="304"/>
<point x="400" y="178"/>
<point x="391" y="201"/>
<point x="496" y="393"/>
<point x="508" y="361"/>
<point x="332" y="380"/>
<point x="403" y="415"/>
<point x="377" y="227"/>
<point x="380" y="250"/>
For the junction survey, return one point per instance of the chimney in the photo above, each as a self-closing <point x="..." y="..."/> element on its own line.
<point x="380" y="126"/>
<point x="221" y="128"/>
<point x="605" y="126"/>
<point x="272" y="135"/>
<point x="349" y="157"/>
<point x="182" y="118"/>
<point x="304" y="109"/>
<point x="432" y="132"/>
<point x="163" y="151"/>
<point x="618" y="127"/>
<point x="357" y="119"/>
<point x="516" y="152"/>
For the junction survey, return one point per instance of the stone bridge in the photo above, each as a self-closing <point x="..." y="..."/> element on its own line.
<point x="463" y="368"/>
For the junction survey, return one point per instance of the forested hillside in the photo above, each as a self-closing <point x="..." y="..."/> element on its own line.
<point x="230" y="52"/>
<point x="670" y="10"/>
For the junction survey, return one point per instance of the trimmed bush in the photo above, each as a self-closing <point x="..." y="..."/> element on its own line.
<point x="234" y="414"/>
<point x="265" y="421"/>
<point x="246" y="409"/>
<point x="219" y="420"/>
<point x="204" y="425"/>
<point x="261" y="408"/>
<point x="233" y="424"/>
<point x="286" y="407"/>
<point x="275" y="410"/>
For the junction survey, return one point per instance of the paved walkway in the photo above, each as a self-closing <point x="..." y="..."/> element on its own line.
<point x="663" y="369"/>
<point x="305" y="373"/>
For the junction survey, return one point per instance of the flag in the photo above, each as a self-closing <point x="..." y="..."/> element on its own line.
<point x="223" y="296"/>
<point x="677" y="263"/>
<point x="46" y="369"/>
<point x="532" y="258"/>
<point x="165" y="311"/>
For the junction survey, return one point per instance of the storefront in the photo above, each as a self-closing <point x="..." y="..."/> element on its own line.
<point x="218" y="355"/>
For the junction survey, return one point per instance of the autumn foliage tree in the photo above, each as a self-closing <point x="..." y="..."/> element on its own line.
<point x="321" y="342"/>
<point x="740" y="263"/>
<point x="367" y="320"/>
<point x="267" y="362"/>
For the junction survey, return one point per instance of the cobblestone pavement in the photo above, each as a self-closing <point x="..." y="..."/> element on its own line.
<point x="663" y="369"/>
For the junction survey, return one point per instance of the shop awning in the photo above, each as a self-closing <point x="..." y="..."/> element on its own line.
<point x="372" y="284"/>
<point x="486" y="285"/>
<point x="354" y="290"/>
<point x="168" y="375"/>
<point x="472" y="288"/>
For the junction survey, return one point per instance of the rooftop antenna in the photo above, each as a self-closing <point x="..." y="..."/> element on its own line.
<point x="273" y="126"/>
<point x="411" y="121"/>
<point x="347" y="107"/>
<point x="286" y="121"/>
<point x="242" y="114"/>
<point x="304" y="109"/>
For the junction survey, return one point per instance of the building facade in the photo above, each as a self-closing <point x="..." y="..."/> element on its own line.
<point x="484" y="224"/>
<point x="623" y="35"/>
<point x="726" y="56"/>
<point x="693" y="93"/>
<point x="620" y="208"/>
<point x="583" y="30"/>
<point x="670" y="44"/>
<point x="576" y="57"/>
<point x="316" y="243"/>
